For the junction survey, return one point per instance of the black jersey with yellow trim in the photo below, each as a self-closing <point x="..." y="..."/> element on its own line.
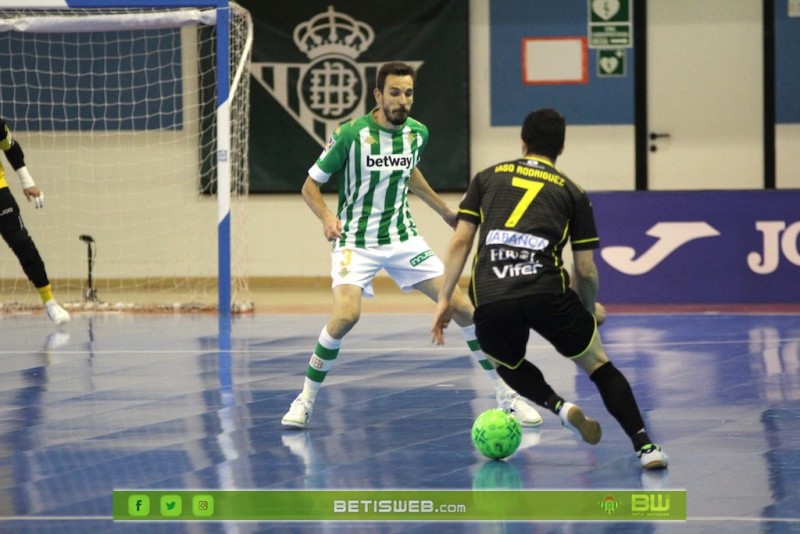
<point x="527" y="211"/>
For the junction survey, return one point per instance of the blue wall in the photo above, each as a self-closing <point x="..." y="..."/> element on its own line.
<point x="603" y="100"/>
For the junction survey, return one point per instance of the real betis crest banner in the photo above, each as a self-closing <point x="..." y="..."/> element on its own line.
<point x="314" y="66"/>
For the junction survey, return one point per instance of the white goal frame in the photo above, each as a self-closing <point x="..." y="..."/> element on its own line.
<point x="212" y="12"/>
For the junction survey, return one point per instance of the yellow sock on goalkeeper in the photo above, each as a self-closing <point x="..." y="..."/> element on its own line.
<point x="46" y="292"/>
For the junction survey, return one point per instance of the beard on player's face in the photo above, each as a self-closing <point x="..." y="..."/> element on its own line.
<point x="397" y="116"/>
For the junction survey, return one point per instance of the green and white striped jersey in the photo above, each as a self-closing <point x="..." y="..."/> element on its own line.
<point x="372" y="166"/>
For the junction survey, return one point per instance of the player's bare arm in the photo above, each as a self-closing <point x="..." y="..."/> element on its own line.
<point x="586" y="279"/>
<point x="331" y="225"/>
<point x="457" y="253"/>
<point x="599" y="309"/>
<point x="420" y="187"/>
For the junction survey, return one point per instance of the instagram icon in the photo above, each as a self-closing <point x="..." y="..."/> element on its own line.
<point x="203" y="505"/>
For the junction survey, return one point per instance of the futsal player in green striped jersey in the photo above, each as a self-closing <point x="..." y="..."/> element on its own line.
<point x="377" y="156"/>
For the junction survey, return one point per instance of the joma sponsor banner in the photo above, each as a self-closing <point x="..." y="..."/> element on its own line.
<point x="704" y="247"/>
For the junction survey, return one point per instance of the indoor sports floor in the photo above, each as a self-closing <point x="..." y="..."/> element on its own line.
<point x="123" y="401"/>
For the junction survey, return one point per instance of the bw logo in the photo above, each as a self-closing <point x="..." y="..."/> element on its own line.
<point x="649" y="503"/>
<point x="331" y="88"/>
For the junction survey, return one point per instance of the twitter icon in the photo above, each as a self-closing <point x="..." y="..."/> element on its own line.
<point x="171" y="505"/>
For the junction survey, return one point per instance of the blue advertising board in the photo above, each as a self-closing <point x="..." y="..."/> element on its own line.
<point x="698" y="247"/>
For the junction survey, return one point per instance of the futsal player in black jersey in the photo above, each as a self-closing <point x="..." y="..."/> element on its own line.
<point x="13" y="230"/>
<point x="527" y="211"/>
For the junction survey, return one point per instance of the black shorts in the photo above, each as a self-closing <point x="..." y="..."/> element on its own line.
<point x="503" y="327"/>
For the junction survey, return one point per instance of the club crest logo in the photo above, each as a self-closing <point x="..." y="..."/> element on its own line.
<point x="332" y="87"/>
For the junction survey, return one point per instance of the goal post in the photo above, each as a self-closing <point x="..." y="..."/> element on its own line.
<point x="133" y="116"/>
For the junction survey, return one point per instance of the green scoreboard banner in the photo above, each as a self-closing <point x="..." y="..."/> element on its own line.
<point x="314" y="66"/>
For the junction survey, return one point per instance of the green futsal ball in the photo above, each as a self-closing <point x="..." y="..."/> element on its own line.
<point x="496" y="434"/>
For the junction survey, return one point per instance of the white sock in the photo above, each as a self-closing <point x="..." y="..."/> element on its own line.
<point x="321" y="361"/>
<point x="480" y="357"/>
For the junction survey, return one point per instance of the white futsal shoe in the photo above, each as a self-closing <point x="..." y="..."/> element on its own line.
<point x="510" y="401"/>
<point x="56" y="313"/>
<point x="652" y="457"/>
<point x="573" y="419"/>
<point x="299" y="413"/>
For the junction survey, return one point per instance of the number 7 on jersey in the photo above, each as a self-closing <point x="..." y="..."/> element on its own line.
<point x="531" y="190"/>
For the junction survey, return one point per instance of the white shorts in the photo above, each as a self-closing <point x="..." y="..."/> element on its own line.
<point x="407" y="263"/>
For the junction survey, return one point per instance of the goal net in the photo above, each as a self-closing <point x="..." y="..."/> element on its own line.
<point x="135" y="127"/>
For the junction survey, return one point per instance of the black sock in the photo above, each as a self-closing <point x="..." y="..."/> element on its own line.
<point x="528" y="381"/>
<point x="554" y="403"/>
<point x="640" y="439"/>
<point x="619" y="400"/>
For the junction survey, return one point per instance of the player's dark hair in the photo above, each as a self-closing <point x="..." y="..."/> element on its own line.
<point x="395" y="68"/>
<point x="543" y="133"/>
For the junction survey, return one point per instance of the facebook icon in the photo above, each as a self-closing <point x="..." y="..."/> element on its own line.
<point x="139" y="505"/>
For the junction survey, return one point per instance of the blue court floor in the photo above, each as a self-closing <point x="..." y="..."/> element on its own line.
<point x="121" y="401"/>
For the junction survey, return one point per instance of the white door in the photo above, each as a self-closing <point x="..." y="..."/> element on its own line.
<point x="705" y="92"/>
